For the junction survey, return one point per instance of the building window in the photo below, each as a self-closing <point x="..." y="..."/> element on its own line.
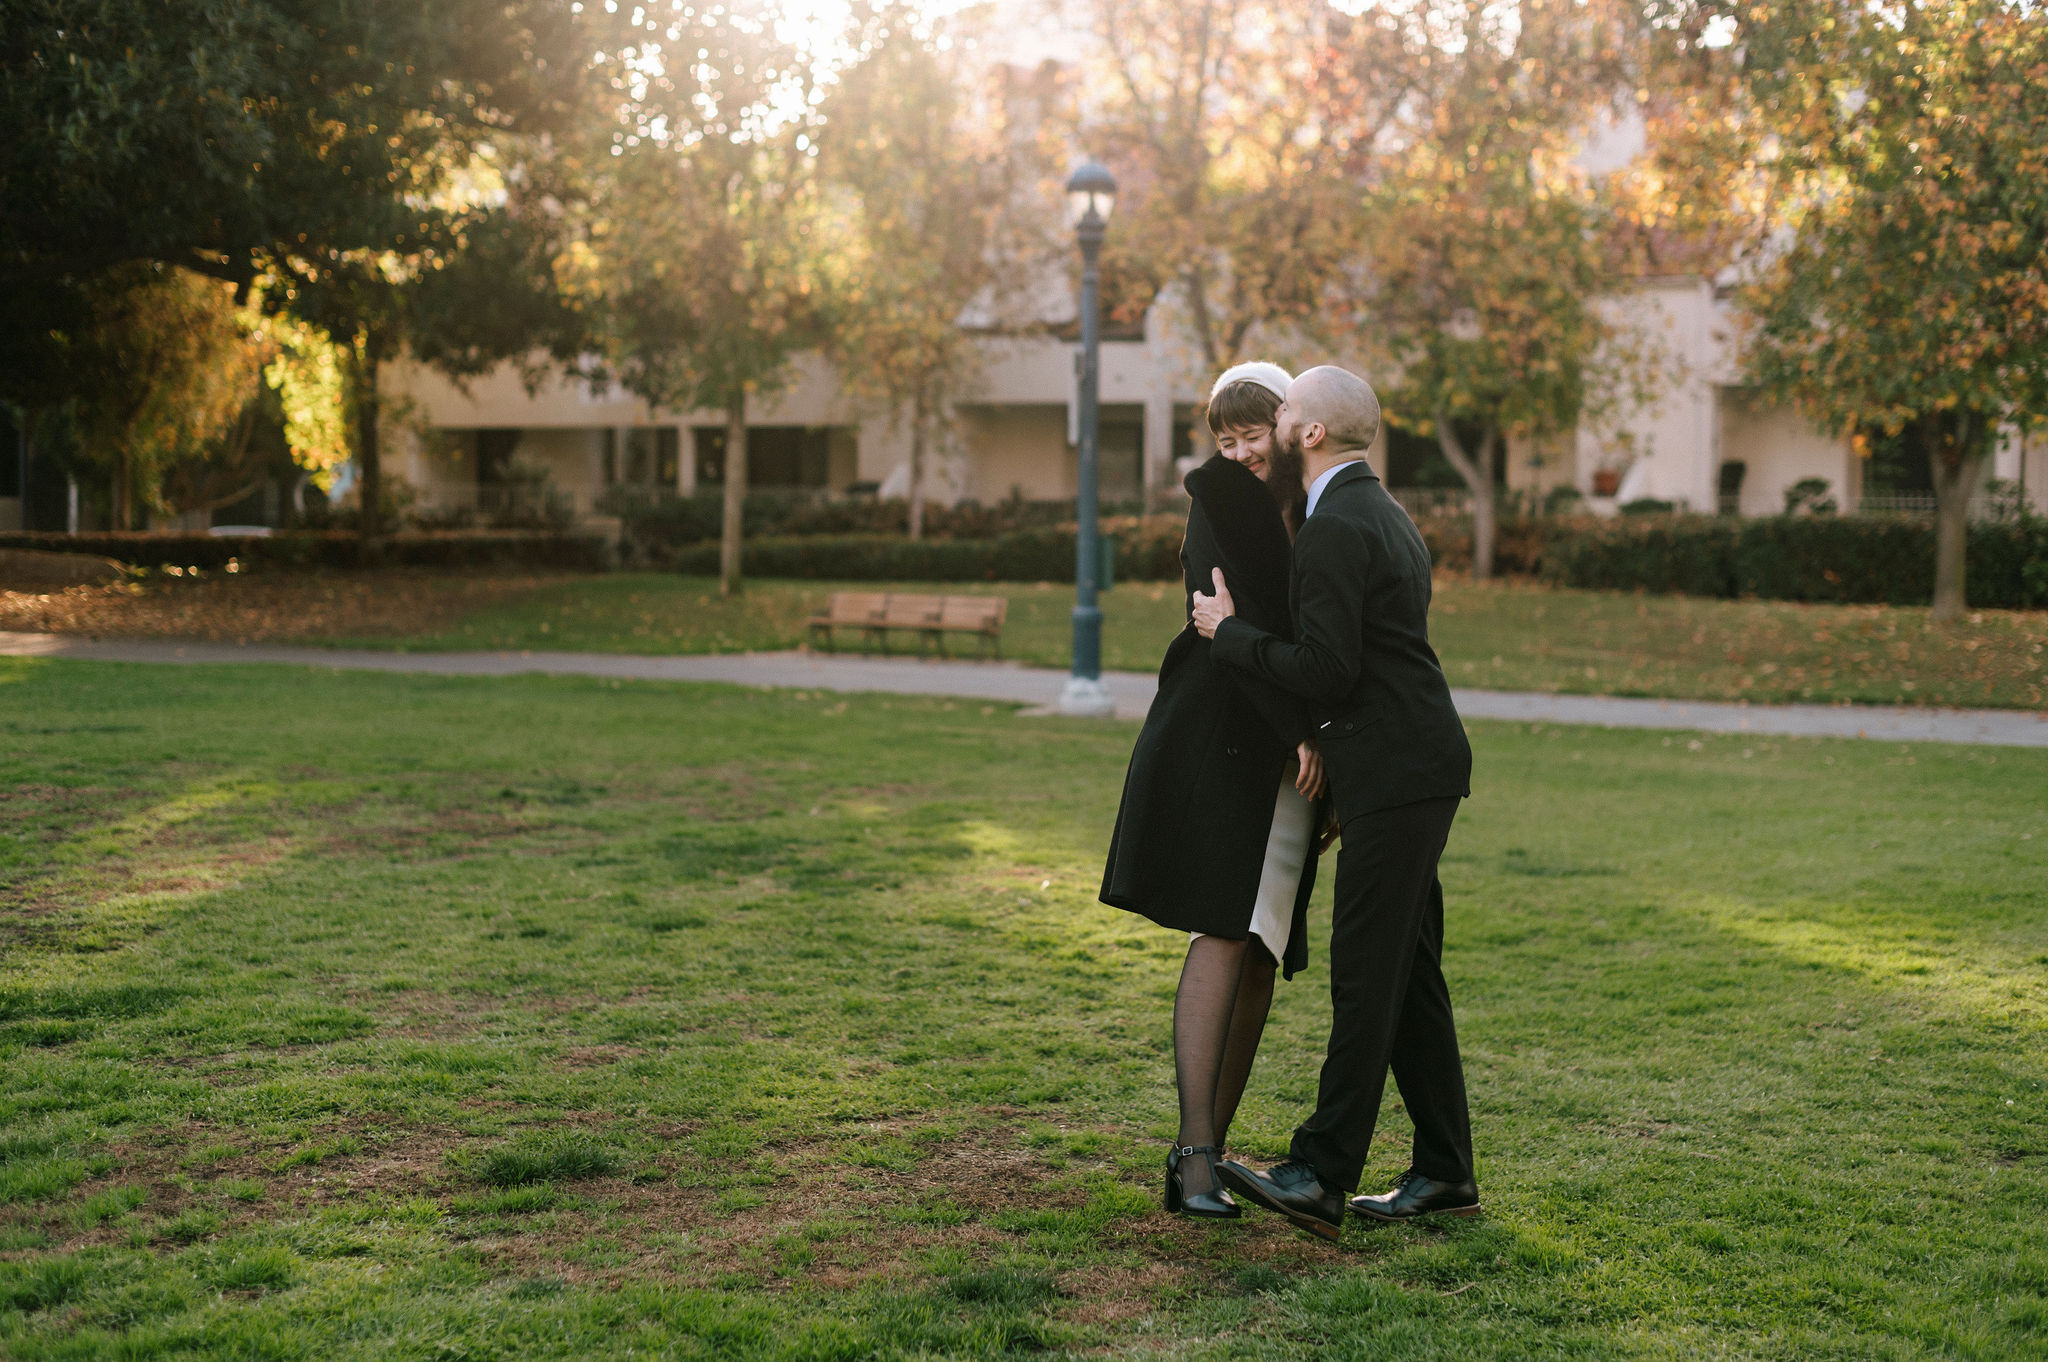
<point x="1120" y="452"/>
<point x="651" y="456"/>
<point x="777" y="456"/>
<point x="494" y="453"/>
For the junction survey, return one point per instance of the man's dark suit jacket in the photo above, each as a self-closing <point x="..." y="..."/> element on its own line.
<point x="1360" y="593"/>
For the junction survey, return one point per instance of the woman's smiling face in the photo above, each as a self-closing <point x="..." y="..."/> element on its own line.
<point x="1251" y="446"/>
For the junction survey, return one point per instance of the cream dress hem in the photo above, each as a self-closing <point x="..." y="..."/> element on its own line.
<point x="1272" y="916"/>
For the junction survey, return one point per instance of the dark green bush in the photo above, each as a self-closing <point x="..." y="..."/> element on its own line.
<point x="1852" y="559"/>
<point x="657" y="529"/>
<point x="328" y="549"/>
<point x="1147" y="551"/>
<point x="1517" y="546"/>
<point x="1864" y="559"/>
<point x="1688" y="555"/>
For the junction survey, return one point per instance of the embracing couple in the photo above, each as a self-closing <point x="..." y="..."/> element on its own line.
<point x="1302" y="703"/>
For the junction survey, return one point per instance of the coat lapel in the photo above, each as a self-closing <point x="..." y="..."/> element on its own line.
<point x="1349" y="473"/>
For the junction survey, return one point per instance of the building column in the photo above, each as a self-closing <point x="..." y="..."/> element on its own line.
<point x="686" y="461"/>
<point x="1158" y="444"/>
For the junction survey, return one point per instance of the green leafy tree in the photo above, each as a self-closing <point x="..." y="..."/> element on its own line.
<point x="1898" y="277"/>
<point x="315" y="154"/>
<point x="168" y="367"/>
<point x="940" y="191"/>
<point x="1485" y="247"/>
<point x="703" y="236"/>
<point x="468" y="288"/>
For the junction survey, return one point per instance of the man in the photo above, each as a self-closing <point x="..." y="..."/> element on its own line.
<point x="1397" y="762"/>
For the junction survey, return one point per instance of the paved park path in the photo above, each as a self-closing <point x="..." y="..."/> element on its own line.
<point x="1008" y="681"/>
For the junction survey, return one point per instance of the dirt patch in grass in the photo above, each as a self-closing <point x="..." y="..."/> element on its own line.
<point x="952" y="1221"/>
<point x="597" y="1056"/>
<point x="267" y="609"/>
<point x="826" y="1225"/>
<point x="419" y="1014"/>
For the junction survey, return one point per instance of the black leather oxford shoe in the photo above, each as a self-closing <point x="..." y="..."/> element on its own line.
<point x="1293" y="1190"/>
<point x="1415" y="1195"/>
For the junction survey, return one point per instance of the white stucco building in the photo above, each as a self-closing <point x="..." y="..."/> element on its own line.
<point x="1012" y="431"/>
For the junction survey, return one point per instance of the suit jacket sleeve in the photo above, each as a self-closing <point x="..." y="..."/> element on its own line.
<point x="1284" y="713"/>
<point x="1324" y="663"/>
<point x="1224" y="533"/>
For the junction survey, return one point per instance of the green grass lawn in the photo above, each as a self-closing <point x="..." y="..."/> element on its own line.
<point x="1504" y="636"/>
<point x="347" y="1016"/>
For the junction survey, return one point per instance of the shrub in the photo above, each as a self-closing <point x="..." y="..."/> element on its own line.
<point x="1690" y="555"/>
<point x="328" y="549"/>
<point x="1146" y="551"/>
<point x="1517" y="545"/>
<point x="656" y="530"/>
<point x="1856" y="559"/>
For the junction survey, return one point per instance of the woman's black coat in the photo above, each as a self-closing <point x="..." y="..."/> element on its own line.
<point x="1190" y="840"/>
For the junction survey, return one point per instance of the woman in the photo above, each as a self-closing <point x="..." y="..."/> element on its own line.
<point x="1213" y="835"/>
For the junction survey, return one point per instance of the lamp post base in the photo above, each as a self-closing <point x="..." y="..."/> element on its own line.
<point x="1086" y="698"/>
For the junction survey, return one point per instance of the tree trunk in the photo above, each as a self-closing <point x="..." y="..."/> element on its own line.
<point x="369" y="455"/>
<point x="735" y="492"/>
<point x="1198" y="313"/>
<point x="1954" y="445"/>
<point x="917" y="420"/>
<point x="124" y="487"/>
<point x="1476" y="469"/>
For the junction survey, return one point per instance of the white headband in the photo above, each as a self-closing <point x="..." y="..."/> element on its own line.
<point x="1271" y="377"/>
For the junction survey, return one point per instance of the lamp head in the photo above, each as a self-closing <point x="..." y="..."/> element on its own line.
<point x="1091" y="193"/>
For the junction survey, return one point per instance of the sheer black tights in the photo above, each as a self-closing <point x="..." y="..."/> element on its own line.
<point x="1219" y="1013"/>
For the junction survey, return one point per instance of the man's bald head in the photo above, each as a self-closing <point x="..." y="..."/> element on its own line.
<point x="1341" y="403"/>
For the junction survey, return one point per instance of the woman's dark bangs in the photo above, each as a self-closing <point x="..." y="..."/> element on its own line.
<point x="1243" y="403"/>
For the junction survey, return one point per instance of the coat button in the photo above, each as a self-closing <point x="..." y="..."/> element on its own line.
<point x="1230" y="751"/>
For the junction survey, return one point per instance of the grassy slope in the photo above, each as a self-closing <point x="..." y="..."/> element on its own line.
<point x="305" y="973"/>
<point x="1505" y="637"/>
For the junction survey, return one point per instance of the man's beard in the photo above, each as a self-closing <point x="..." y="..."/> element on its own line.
<point x="1283" y="473"/>
<point x="1284" y="482"/>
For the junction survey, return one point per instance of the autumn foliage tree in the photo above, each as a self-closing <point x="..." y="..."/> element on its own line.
<point x="166" y="366"/>
<point x="1241" y="138"/>
<point x="1900" y="275"/>
<point x="700" y="246"/>
<point x="1484" y="244"/>
<point x="939" y="189"/>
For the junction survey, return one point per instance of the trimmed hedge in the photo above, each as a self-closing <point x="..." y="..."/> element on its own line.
<point x="657" y="529"/>
<point x="1843" y="559"/>
<point x="1144" y="553"/>
<point x="328" y="549"/>
<point x="1517" y="544"/>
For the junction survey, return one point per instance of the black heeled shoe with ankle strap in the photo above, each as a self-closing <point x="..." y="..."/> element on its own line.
<point x="1215" y="1204"/>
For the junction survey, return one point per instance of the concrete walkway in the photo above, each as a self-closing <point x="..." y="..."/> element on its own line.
<point x="1010" y="682"/>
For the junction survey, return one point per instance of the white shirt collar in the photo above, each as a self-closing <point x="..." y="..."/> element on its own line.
<point x="1315" y="489"/>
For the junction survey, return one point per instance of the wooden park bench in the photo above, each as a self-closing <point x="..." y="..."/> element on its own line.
<point x="877" y="614"/>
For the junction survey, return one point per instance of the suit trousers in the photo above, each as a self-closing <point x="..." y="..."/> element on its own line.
<point x="1389" y="1002"/>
